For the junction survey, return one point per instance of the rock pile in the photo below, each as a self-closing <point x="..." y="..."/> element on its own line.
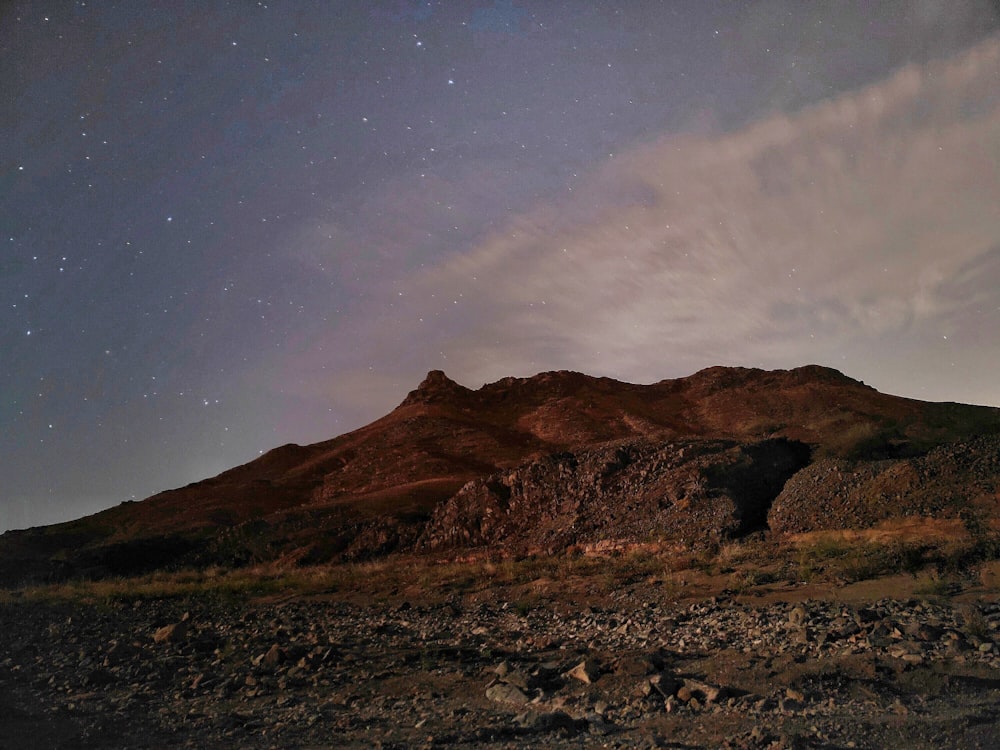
<point x="636" y="673"/>
<point x="695" y="493"/>
<point x="950" y="480"/>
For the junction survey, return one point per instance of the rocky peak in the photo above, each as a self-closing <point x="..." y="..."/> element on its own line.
<point x="822" y="374"/>
<point x="550" y="384"/>
<point x="436" y="387"/>
<point x="724" y="378"/>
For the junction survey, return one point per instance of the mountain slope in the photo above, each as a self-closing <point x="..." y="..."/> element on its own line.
<point x="373" y="490"/>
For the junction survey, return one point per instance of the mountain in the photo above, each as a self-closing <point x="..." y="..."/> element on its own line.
<point x="529" y="464"/>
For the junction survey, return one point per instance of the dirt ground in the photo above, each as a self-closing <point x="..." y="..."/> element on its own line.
<point x="718" y="656"/>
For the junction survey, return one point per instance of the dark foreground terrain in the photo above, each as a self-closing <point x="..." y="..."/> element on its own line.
<point x="620" y="652"/>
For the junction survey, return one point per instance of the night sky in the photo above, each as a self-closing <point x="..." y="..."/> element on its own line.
<point x="230" y="225"/>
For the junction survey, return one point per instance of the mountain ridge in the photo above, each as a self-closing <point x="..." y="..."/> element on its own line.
<point x="378" y="489"/>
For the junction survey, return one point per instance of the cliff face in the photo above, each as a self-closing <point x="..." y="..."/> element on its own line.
<point x="546" y="462"/>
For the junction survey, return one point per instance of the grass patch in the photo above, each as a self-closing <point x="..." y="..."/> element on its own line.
<point x="374" y="580"/>
<point x="740" y="566"/>
<point x="524" y="606"/>
<point x="932" y="587"/>
<point x="851" y="560"/>
<point x="242" y="583"/>
<point x="744" y="581"/>
<point x="854" y="560"/>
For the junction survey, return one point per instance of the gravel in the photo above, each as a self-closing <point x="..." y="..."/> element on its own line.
<point x="636" y="672"/>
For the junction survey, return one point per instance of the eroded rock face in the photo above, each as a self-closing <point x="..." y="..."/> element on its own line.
<point x="692" y="492"/>
<point x="834" y="494"/>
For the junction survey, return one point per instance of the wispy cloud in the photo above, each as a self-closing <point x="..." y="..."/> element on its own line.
<point x="861" y="232"/>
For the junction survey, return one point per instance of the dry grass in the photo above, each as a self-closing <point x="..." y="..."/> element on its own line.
<point x="370" y="580"/>
<point x="942" y="549"/>
<point x="256" y="581"/>
<point x="937" y="552"/>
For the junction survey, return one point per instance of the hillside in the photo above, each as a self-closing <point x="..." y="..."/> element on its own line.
<point x="566" y="459"/>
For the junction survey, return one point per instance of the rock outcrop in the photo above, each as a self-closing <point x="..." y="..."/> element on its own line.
<point x="951" y="481"/>
<point x="693" y="493"/>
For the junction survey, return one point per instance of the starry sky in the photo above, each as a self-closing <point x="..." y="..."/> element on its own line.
<point x="225" y="226"/>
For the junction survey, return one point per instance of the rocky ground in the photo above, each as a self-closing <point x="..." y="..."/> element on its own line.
<point x="790" y="668"/>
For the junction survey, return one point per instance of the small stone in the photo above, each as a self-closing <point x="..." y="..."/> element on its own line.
<point x="664" y="684"/>
<point x="928" y="632"/>
<point x="516" y="678"/>
<point x="274" y="656"/>
<point x="504" y="693"/>
<point x="643" y="689"/>
<point x="798" y="615"/>
<point x="546" y="720"/>
<point x="587" y="671"/>
<point x="172" y="633"/>
<point x="597" y="724"/>
<point x="702" y="690"/>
